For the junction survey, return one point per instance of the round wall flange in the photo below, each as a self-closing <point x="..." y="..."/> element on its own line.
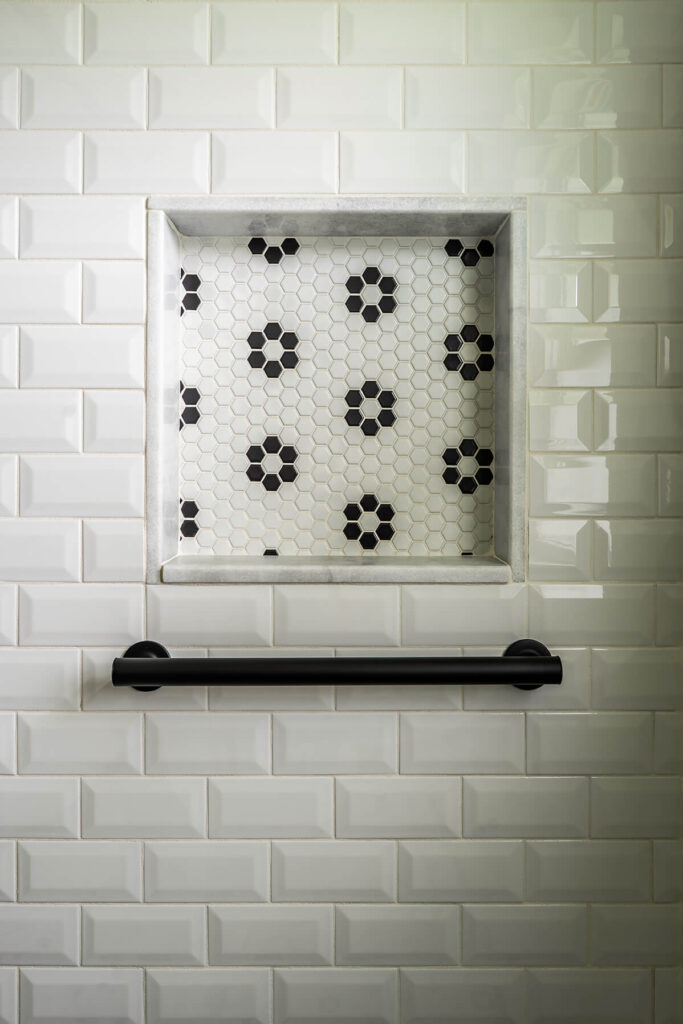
<point x="146" y="649"/>
<point x="526" y="649"/>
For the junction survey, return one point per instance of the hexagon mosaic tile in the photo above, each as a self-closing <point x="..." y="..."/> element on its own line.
<point x="336" y="396"/>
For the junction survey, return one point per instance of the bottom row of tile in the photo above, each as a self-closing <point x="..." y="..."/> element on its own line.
<point x="380" y="996"/>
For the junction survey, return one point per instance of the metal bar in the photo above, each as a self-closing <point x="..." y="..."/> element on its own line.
<point x="525" y="664"/>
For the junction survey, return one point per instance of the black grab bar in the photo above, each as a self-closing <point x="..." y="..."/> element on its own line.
<point x="526" y="664"/>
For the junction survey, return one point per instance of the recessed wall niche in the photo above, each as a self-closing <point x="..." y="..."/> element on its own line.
<point x="336" y="390"/>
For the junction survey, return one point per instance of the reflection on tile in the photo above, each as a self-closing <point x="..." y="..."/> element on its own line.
<point x="596" y="97"/>
<point x="563" y="356"/>
<point x="603" y="614"/>
<point x="633" y="33"/>
<point x="638" y="290"/>
<point x="638" y="420"/>
<point x="559" y="549"/>
<point x="560" y="292"/>
<point x="645" y="161"/>
<point x="468" y="97"/>
<point x="670" y="355"/>
<point x="573" y="226"/>
<point x="530" y="33"/>
<point x="639" y="549"/>
<point x="560" y="421"/>
<point x="617" y="485"/>
<point x="671" y="235"/>
<point x="524" y="162"/>
<point x="670" y="485"/>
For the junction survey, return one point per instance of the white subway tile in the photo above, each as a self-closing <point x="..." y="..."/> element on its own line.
<point x="462" y="742"/>
<point x="250" y="697"/>
<point x="216" y="744"/>
<point x="463" y="871"/>
<point x="638" y="549"/>
<point x="100" y="695"/>
<point x="144" y="808"/>
<point x="576" y="226"/>
<point x="463" y="996"/>
<point x="631" y="680"/>
<point x="667" y="757"/>
<point x="596" y="744"/>
<point x="608" y="613"/>
<point x="39" y="680"/>
<point x="144" y="935"/>
<point x="87" y="227"/>
<point x="434" y="33"/>
<point x="568" y="356"/>
<point x="9" y="98"/>
<point x="9" y="352"/>
<point x="338" y="743"/>
<point x="114" y="421"/>
<point x="132" y="162"/>
<point x="9" y="1007"/>
<point x="617" y="485"/>
<point x="9" y="228"/>
<point x="597" y="97"/>
<point x="85" y="485"/>
<point x="39" y="935"/>
<point x="628" y="33"/>
<point x="523" y="935"/>
<point x="568" y="996"/>
<point x="268" y="33"/>
<point x="176" y="996"/>
<point x="560" y="421"/>
<point x="70" y="613"/>
<point x="639" y="161"/>
<point x="339" y="615"/>
<point x="530" y="33"/>
<point x="73" y="743"/>
<point x="40" y="33"/>
<point x="560" y="549"/>
<point x="8" y="614"/>
<point x="668" y="994"/>
<point x="40" y="549"/>
<point x="525" y="807"/>
<point x="200" y="872"/>
<point x="131" y="33"/>
<point x="467" y="98"/>
<point x="50" y="996"/>
<point x="399" y="807"/>
<point x="8" y="755"/>
<point x="80" y="872"/>
<point x="86" y="357"/>
<point x="375" y="936"/>
<point x="560" y="292"/>
<point x="113" y="551"/>
<point x="672" y="96"/>
<point x="226" y="616"/>
<point x="669" y="623"/>
<point x="667" y="867"/>
<point x="670" y="355"/>
<point x="329" y="871"/>
<point x="39" y="808"/>
<point x="8" y="884"/>
<point x="40" y="421"/>
<point x="638" y="419"/>
<point x="341" y="98"/>
<point x="624" y="936"/>
<point x="9" y="479"/>
<point x="114" y="293"/>
<point x="461" y="614"/>
<point x="219" y="98"/>
<point x="644" y="290"/>
<point x="271" y="935"/>
<point x="625" y="808"/>
<point x="280" y="162"/>
<point x="671" y="234"/>
<point x="41" y="162"/>
<point x="572" y="695"/>
<point x="404" y="162"/>
<point x="586" y="870"/>
<point x="270" y="808"/>
<point x="39" y="292"/>
<point x="523" y="162"/>
<point x="83" y="98"/>
<point x="314" y="996"/>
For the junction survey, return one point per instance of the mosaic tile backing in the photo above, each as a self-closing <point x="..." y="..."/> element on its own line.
<point x="336" y="396"/>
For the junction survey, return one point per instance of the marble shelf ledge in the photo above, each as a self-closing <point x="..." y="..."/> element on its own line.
<point x="354" y="569"/>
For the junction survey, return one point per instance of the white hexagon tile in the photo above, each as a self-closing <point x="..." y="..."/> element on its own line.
<point x="336" y="396"/>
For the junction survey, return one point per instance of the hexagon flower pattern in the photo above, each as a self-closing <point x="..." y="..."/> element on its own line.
<point x="320" y="374"/>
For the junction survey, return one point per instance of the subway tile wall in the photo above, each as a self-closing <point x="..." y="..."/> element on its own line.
<point x="379" y="854"/>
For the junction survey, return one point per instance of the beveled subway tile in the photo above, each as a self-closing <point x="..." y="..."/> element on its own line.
<point x="40" y="549"/>
<point x="473" y="98"/>
<point x="523" y="162"/>
<point x="158" y="161"/>
<point x="667" y="755"/>
<point x="80" y="872"/>
<point x="533" y="808"/>
<point x="331" y="871"/>
<point x="617" y="485"/>
<point x="80" y="98"/>
<point x="85" y="357"/>
<point x="113" y="550"/>
<point x="631" y="680"/>
<point x="628" y="33"/>
<point x="524" y="935"/>
<point x="567" y="996"/>
<point x="595" y="743"/>
<point x="671" y="220"/>
<point x="596" y="355"/>
<point x="313" y="995"/>
<point x="130" y="808"/>
<point x="100" y="695"/>
<point x="301" y="33"/>
<point x="8" y="744"/>
<point x="670" y="355"/>
<point x="638" y="420"/>
<point x="590" y="226"/>
<point x="459" y="614"/>
<point x="462" y="742"/>
<point x="82" y="995"/>
<point x="178" y="995"/>
<point x="587" y="870"/>
<point x="39" y="291"/>
<point x="638" y="549"/>
<point x="9" y="352"/>
<point x="335" y="743"/>
<point x="271" y="935"/>
<point x="9" y="230"/>
<point x="400" y="807"/>
<point x="83" y="227"/>
<point x="560" y="550"/>
<point x="572" y="695"/>
<point x="635" y="807"/>
<point x="668" y="871"/>
<point x="396" y="936"/>
<point x="645" y="290"/>
<point x="39" y="808"/>
<point x="40" y="421"/>
<point x="609" y="613"/>
<point x="39" y="679"/>
<point x="39" y="935"/>
<point x="530" y="33"/>
<point x="8" y="881"/>
<point x="623" y="936"/>
<point x="463" y="995"/>
<point x="670" y="485"/>
<point x="72" y="613"/>
<point x="669" y="624"/>
<point x="114" y="292"/>
<point x="344" y="615"/>
<point x="673" y="96"/>
<point x="602" y="97"/>
<point x="410" y="162"/>
<point x="268" y="162"/>
<point x="668" y="993"/>
<point x="8" y="485"/>
<point x="560" y="292"/>
<point x="44" y="33"/>
<point x="9" y="98"/>
<point x="8" y="613"/>
<point x="200" y="744"/>
<point x="204" y="614"/>
<point x="140" y="935"/>
<point x="244" y="808"/>
<point x="430" y="34"/>
<point x="71" y="743"/>
<point x="166" y="33"/>
<point x="339" y="98"/>
<point x="221" y="98"/>
<point x="199" y="872"/>
<point x="41" y="162"/>
<point x="464" y="871"/>
<point x="639" y="161"/>
<point x="560" y="421"/>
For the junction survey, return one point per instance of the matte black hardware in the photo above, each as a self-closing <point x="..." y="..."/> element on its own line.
<point x="526" y="664"/>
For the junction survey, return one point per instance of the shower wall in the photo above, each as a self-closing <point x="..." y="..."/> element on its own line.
<point x="376" y="854"/>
